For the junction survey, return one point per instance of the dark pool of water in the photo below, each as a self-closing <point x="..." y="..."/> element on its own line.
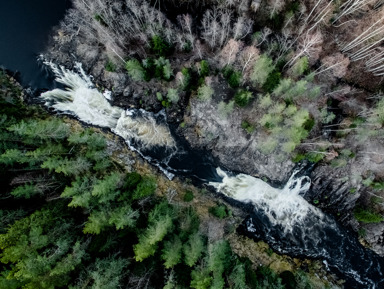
<point x="25" y="26"/>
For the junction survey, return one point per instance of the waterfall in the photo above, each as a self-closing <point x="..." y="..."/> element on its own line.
<point x="81" y="99"/>
<point x="290" y="225"/>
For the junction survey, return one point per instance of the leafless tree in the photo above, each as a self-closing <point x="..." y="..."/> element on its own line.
<point x="309" y="45"/>
<point x="349" y="7"/>
<point x="247" y="58"/>
<point x="228" y="54"/>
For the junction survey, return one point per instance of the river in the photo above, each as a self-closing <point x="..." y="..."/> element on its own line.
<point x="279" y="216"/>
<point x="24" y="32"/>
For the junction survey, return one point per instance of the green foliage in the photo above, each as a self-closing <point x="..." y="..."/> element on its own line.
<point x="110" y="66"/>
<point x="47" y="245"/>
<point x="261" y="70"/>
<point x="300" y="67"/>
<point x="219" y="256"/>
<point x="237" y="278"/>
<point x="145" y="188"/>
<point x="297" y="90"/>
<point x="163" y="69"/>
<point x="28" y="245"/>
<point x="326" y="116"/>
<point x="188" y="196"/>
<point x="131" y="181"/>
<point x="99" y="18"/>
<point x="204" y="93"/>
<point x="135" y="70"/>
<point x="225" y="109"/>
<point x="204" y="68"/>
<point x="286" y="127"/>
<point x="171" y="252"/>
<point x="80" y="192"/>
<point x="97" y="221"/>
<point x="232" y="76"/>
<point x="242" y="97"/>
<point x="68" y="167"/>
<point x="284" y="85"/>
<point x="201" y="278"/>
<point x="52" y="129"/>
<point x="314" y="157"/>
<point x="220" y="211"/>
<point x="105" y="273"/>
<point x="149" y="67"/>
<point x="187" y="78"/>
<point x="160" y="223"/>
<point x="270" y="280"/>
<point x="159" y="46"/>
<point x="193" y="249"/>
<point x="314" y="92"/>
<point x="272" y="81"/>
<point x="94" y="141"/>
<point x="248" y="127"/>
<point x="27" y="191"/>
<point x="123" y="216"/>
<point x="173" y="95"/>
<point x="367" y="216"/>
<point x="265" y="101"/>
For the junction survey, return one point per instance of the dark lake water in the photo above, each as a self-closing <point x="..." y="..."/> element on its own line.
<point x="25" y="26"/>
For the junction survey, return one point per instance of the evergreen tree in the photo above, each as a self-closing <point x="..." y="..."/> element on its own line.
<point x="262" y="68"/>
<point x="171" y="253"/>
<point x="193" y="249"/>
<point x="135" y="70"/>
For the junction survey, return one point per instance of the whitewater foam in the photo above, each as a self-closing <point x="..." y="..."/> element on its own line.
<point x="80" y="98"/>
<point x="284" y="206"/>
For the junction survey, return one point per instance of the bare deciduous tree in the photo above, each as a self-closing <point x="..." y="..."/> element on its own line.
<point x="229" y="53"/>
<point x="247" y="59"/>
<point x="337" y="63"/>
<point x="309" y="45"/>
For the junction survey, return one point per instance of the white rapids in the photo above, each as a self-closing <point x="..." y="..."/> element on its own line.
<point x="83" y="100"/>
<point x="285" y="207"/>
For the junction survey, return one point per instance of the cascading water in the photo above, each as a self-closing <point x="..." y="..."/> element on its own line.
<point x="144" y="132"/>
<point x="291" y="225"/>
<point x="282" y="217"/>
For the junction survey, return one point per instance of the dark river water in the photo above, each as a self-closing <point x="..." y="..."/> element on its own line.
<point x="25" y="26"/>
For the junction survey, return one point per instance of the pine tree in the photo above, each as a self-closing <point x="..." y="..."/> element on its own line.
<point x="97" y="221"/>
<point x="26" y="191"/>
<point x="193" y="249"/>
<point x="173" y="95"/>
<point x="123" y="216"/>
<point x="106" y="190"/>
<point x="204" y="93"/>
<point x="135" y="70"/>
<point x="53" y="129"/>
<point x="171" y="252"/>
<point x="80" y="192"/>
<point x="145" y="188"/>
<point x="160" y="225"/>
<point x="237" y="278"/>
<point x="261" y="69"/>
<point x="201" y="278"/>
<point x="107" y="273"/>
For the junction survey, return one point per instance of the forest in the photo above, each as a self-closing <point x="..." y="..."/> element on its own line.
<point x="263" y="85"/>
